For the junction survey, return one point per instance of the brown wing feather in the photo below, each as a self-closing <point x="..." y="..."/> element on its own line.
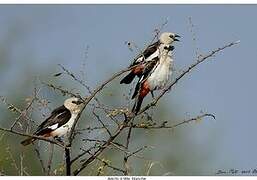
<point x="149" y="67"/>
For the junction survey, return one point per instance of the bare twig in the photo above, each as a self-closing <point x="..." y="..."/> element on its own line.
<point x="88" y="99"/>
<point x="164" y="126"/>
<point x="68" y="161"/>
<point x="125" y="159"/>
<point x="51" y="153"/>
<point x="69" y="73"/>
<point x="91" y="128"/>
<point x="132" y="116"/>
<point x="156" y="35"/>
<point x="106" y="163"/>
<point x="21" y="164"/>
<point x="34" y="136"/>
<point x="63" y="91"/>
<point x="83" y="153"/>
<point x="13" y="162"/>
<point x="14" y="108"/>
<point x="116" y="145"/>
<point x="100" y="146"/>
<point x="108" y="142"/>
<point x="137" y="151"/>
<point x="104" y="126"/>
<point x="99" y="151"/>
<point x="40" y="159"/>
<point x="151" y="164"/>
<point x="81" y="82"/>
<point x="27" y="108"/>
<point x="194" y="39"/>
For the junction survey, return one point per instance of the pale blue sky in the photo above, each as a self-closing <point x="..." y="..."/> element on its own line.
<point x="225" y="86"/>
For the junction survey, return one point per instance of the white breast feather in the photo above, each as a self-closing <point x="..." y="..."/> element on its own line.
<point x="162" y="73"/>
<point x="64" y="128"/>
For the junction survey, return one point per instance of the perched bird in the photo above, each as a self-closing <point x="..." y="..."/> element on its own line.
<point x="150" y="53"/>
<point x="155" y="75"/>
<point x="60" y="121"/>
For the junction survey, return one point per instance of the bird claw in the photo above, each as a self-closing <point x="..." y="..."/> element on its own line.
<point x="59" y="139"/>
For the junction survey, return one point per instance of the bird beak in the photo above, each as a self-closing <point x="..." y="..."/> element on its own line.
<point x="177" y="36"/>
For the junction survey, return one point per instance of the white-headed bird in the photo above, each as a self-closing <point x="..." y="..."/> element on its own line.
<point x="59" y="122"/>
<point x="150" y="53"/>
<point x="155" y="75"/>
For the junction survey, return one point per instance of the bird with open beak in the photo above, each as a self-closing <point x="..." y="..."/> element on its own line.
<point x="150" y="53"/>
<point x="59" y="122"/>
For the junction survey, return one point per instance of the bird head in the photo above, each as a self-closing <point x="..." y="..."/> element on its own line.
<point x="168" y="37"/>
<point x="74" y="104"/>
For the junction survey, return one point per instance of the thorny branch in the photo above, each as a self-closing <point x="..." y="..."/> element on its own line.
<point x="126" y="123"/>
<point x="164" y="126"/>
<point x="116" y="145"/>
<point x="63" y="91"/>
<point x="13" y="108"/>
<point x="40" y="159"/>
<point x="102" y="123"/>
<point x="106" y="163"/>
<point x="86" y="102"/>
<point x="83" y="153"/>
<point x="125" y="159"/>
<point x="75" y="78"/>
<point x="50" y="159"/>
<point x="130" y="117"/>
<point x="34" y="136"/>
<point x="200" y="60"/>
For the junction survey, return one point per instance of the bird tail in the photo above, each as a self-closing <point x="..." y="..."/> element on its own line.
<point x="136" y="91"/>
<point x="128" y="79"/>
<point x="28" y="141"/>
<point x="137" y="105"/>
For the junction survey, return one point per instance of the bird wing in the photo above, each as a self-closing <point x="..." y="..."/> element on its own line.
<point x="149" y="67"/>
<point x="58" y="117"/>
<point x="152" y="65"/>
<point x="151" y="49"/>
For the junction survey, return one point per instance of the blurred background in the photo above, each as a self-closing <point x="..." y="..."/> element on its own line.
<point x="90" y="41"/>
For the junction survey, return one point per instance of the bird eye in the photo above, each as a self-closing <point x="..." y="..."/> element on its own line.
<point x="77" y="102"/>
<point x="172" y="36"/>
